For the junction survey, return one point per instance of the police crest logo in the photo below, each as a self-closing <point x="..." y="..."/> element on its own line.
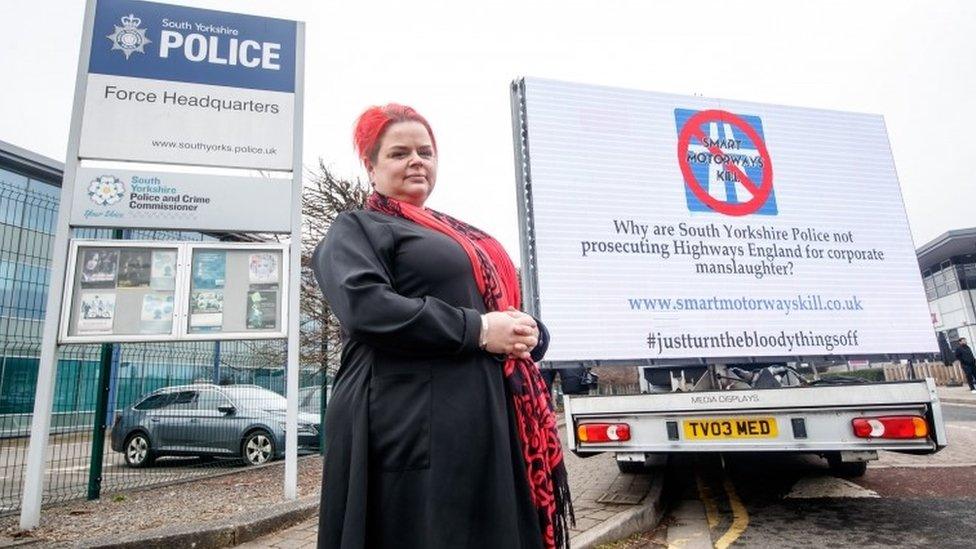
<point x="129" y="37"/>
<point x="106" y="190"/>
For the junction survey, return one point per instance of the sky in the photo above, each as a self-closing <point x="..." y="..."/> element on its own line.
<point x="912" y="62"/>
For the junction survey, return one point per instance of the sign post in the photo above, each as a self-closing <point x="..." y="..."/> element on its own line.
<point x="37" y="451"/>
<point x="291" y="434"/>
<point x="174" y="89"/>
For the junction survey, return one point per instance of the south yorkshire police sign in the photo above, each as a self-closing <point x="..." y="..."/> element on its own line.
<point x="194" y="90"/>
<point x="171" y="84"/>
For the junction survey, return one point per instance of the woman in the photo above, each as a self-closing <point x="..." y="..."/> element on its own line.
<point x="439" y="432"/>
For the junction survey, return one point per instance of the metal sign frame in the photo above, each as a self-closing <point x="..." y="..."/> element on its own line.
<point x="183" y="331"/>
<point x="33" y="488"/>
<point x="181" y="292"/>
<point x="66" y="303"/>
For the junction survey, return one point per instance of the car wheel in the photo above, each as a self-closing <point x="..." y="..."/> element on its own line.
<point x="138" y="451"/>
<point x="257" y="448"/>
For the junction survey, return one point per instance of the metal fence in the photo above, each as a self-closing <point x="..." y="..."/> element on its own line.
<point x="172" y="411"/>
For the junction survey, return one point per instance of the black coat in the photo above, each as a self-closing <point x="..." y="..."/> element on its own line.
<point x="421" y="450"/>
<point x="965" y="355"/>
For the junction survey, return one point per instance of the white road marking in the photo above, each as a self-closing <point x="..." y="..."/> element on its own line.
<point x="919" y="465"/>
<point x="959" y="404"/>
<point x="64" y="469"/>
<point x="828" y="487"/>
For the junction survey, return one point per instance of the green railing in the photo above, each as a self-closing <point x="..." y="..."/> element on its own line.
<point x="189" y="424"/>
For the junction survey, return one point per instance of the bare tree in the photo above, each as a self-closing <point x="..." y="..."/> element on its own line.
<point x="324" y="196"/>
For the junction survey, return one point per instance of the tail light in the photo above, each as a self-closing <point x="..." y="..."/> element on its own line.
<point x="603" y="432"/>
<point x="890" y="427"/>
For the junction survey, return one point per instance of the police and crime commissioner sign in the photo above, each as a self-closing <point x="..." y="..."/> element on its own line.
<point x="129" y="198"/>
<point x="171" y="84"/>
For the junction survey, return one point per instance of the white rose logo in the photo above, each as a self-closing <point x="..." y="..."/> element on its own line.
<point x="106" y="190"/>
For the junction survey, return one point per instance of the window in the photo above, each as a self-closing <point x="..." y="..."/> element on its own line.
<point x="155" y="402"/>
<point x="45" y="189"/>
<point x="211" y="400"/>
<point x="945" y="280"/>
<point x="12" y="180"/>
<point x="967" y="275"/>
<point x="255" y="397"/>
<point x="952" y="284"/>
<point x="41" y="206"/>
<point x="11" y="206"/>
<point x="19" y="383"/>
<point x="13" y="189"/>
<point x="184" y="400"/>
<point x="312" y="401"/>
<point x="929" y="286"/>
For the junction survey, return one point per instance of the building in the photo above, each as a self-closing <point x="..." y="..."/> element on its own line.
<point x="948" y="265"/>
<point x="29" y="194"/>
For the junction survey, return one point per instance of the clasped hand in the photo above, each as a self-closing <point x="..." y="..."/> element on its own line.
<point x="512" y="333"/>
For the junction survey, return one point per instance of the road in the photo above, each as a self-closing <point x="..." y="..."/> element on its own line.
<point x="67" y="470"/>
<point x="794" y="501"/>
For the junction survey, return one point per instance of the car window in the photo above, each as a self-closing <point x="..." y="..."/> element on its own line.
<point x="154" y="402"/>
<point x="312" y="399"/>
<point x="255" y="398"/>
<point x="184" y="400"/>
<point x="211" y="400"/>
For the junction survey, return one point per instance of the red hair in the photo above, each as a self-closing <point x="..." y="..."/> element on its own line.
<point x="372" y="124"/>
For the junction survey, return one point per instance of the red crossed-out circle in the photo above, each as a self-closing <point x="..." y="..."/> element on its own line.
<point x="692" y="129"/>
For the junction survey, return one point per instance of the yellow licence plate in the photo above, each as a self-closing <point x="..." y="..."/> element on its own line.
<point x="730" y="427"/>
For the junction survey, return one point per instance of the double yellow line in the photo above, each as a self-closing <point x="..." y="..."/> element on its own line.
<point x="740" y="516"/>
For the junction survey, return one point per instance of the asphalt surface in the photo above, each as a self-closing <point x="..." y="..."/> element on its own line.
<point x="67" y="470"/>
<point x="795" y="501"/>
<point x="953" y="413"/>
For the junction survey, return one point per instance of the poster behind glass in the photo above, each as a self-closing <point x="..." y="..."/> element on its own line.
<point x="235" y="290"/>
<point x="123" y="291"/>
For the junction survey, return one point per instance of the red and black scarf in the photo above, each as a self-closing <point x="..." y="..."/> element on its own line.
<point x="498" y="283"/>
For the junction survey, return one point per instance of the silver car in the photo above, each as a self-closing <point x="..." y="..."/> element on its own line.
<point x="203" y="419"/>
<point x="310" y="398"/>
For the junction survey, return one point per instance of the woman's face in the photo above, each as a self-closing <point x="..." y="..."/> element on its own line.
<point x="406" y="163"/>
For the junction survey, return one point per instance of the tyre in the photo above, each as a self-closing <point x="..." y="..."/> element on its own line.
<point x="138" y="451"/>
<point x="846" y="469"/>
<point x="631" y="467"/>
<point x="257" y="448"/>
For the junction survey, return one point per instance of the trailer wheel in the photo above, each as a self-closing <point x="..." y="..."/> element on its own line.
<point x="846" y="469"/>
<point x="631" y="467"/>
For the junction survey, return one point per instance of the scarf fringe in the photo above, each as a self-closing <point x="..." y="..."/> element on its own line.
<point x="565" y="515"/>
